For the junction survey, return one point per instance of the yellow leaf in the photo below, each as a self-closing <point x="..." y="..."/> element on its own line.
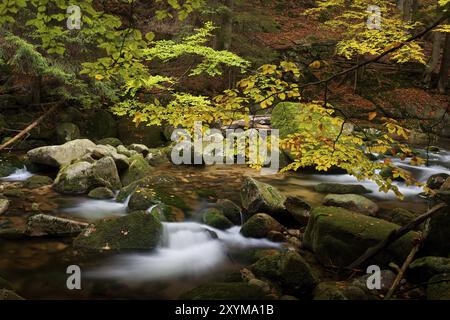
<point x="372" y="115"/>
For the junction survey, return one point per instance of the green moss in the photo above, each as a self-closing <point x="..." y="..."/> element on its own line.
<point x="259" y="225"/>
<point x="101" y="193"/>
<point x="137" y="230"/>
<point x="337" y="188"/>
<point x="340" y="291"/>
<point x="224" y="291"/>
<point x="439" y="287"/>
<point x="138" y="169"/>
<point x="422" y="269"/>
<point x="216" y="219"/>
<point x="115" y="142"/>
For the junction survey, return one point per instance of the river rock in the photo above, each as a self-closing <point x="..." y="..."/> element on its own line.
<point x="436" y="180"/>
<point x="437" y="240"/>
<point x="261" y="197"/>
<point x="340" y="291"/>
<point x="80" y="177"/>
<point x="155" y="182"/>
<point x="37" y="181"/>
<point x="298" y="208"/>
<point x="140" y="148"/>
<point x="259" y="226"/>
<point x="338" y="237"/>
<point x="398" y="216"/>
<point x="137" y="230"/>
<point x="337" y="188"/>
<point x="57" y="156"/>
<point x="230" y="210"/>
<point x="46" y="225"/>
<point x="4" y="205"/>
<point x="138" y="169"/>
<point x="114" y="142"/>
<point x="387" y="278"/>
<point x="142" y="198"/>
<point x="289" y="269"/>
<point x="439" y="287"/>
<point x="224" y="291"/>
<point x="352" y="202"/>
<point x="422" y="269"/>
<point x="100" y="151"/>
<point x="9" y="164"/>
<point x="101" y="193"/>
<point x="215" y="218"/>
<point x="123" y="150"/>
<point x="67" y="131"/>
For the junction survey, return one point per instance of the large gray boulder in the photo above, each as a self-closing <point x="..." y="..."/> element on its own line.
<point x="81" y="177"/>
<point x="58" y="156"/>
<point x="100" y="151"/>
<point x="338" y="237"/>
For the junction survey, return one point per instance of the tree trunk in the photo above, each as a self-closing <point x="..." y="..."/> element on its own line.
<point x="445" y="65"/>
<point x="434" y="59"/>
<point x="226" y="26"/>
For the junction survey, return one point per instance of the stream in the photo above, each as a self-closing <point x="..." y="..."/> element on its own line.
<point x="190" y="253"/>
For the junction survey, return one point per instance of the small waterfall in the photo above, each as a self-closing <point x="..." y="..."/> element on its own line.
<point x="188" y="249"/>
<point x="18" y="175"/>
<point x="93" y="209"/>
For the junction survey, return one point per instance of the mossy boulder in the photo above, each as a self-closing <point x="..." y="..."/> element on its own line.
<point x="230" y="210"/>
<point x="9" y="164"/>
<point x="57" y="156"/>
<point x="158" y="156"/>
<point x="261" y="197"/>
<point x="289" y="269"/>
<point x="398" y="216"/>
<point x="124" y="151"/>
<point x="215" y="218"/>
<point x="338" y="188"/>
<point x="438" y="287"/>
<point x="139" y="148"/>
<point x="259" y="226"/>
<point x="138" y="169"/>
<point x="37" y="181"/>
<point x="80" y="177"/>
<point x="101" y="193"/>
<point x="161" y="182"/>
<point x="122" y="162"/>
<point x="137" y="230"/>
<point x="143" y="198"/>
<point x="114" y="142"/>
<point x="224" y="291"/>
<point x="43" y="225"/>
<point x="338" y="237"/>
<point x="422" y="269"/>
<point x="352" y="202"/>
<point x="340" y="291"/>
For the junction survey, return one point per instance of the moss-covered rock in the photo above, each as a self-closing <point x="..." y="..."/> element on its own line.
<point x="137" y="230"/>
<point x="340" y="291"/>
<point x="352" y="202"/>
<point x="124" y="151"/>
<point x="139" y="148"/>
<point x="439" y="287"/>
<point x="422" y="269"/>
<point x="259" y="226"/>
<point x="261" y="197"/>
<point x="436" y="180"/>
<point x="338" y="236"/>
<point x="101" y="193"/>
<point x="289" y="269"/>
<point x="100" y="151"/>
<point x="9" y="164"/>
<point x="138" y="169"/>
<point x="37" y="182"/>
<point x="114" y="142"/>
<point x="215" y="218"/>
<point x="158" y="156"/>
<point x="224" y="291"/>
<point x="158" y="182"/>
<point x="398" y="216"/>
<point x="80" y="177"/>
<point x="338" y="188"/>
<point x="143" y="198"/>
<point x="43" y="225"/>
<point x="230" y="210"/>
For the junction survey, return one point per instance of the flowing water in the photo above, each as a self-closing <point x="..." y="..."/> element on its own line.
<point x="190" y="253"/>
